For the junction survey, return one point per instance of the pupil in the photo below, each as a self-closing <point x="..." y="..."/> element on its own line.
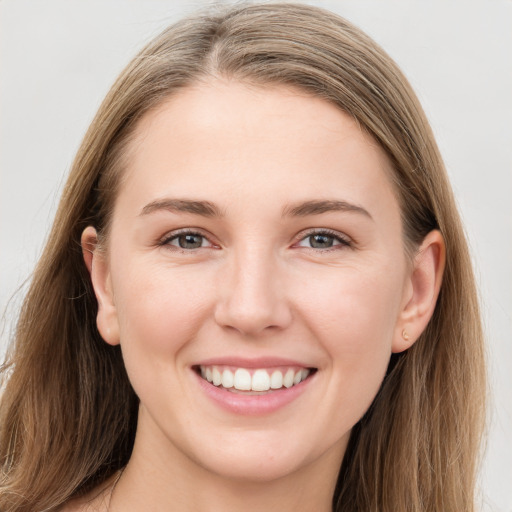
<point x="321" y="241"/>
<point x="190" y="241"/>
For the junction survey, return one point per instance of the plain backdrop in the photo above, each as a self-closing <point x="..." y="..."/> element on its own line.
<point x="59" y="57"/>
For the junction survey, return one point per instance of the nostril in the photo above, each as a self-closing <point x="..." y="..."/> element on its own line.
<point x="251" y="320"/>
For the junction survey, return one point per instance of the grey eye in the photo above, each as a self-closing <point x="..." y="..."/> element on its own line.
<point x="188" y="241"/>
<point x="321" y="241"/>
<point x="324" y="240"/>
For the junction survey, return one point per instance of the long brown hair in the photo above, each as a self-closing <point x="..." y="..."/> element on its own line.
<point x="68" y="412"/>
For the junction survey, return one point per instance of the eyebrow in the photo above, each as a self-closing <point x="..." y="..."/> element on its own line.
<point x="203" y="208"/>
<point x="317" y="207"/>
<point x="209" y="209"/>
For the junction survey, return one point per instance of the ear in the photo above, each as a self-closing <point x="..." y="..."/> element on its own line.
<point x="97" y="265"/>
<point x="421" y="291"/>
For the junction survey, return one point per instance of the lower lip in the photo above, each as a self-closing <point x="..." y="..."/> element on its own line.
<point x="253" y="405"/>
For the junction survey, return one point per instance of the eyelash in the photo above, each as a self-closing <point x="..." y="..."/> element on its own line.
<point x="344" y="241"/>
<point x="166" y="241"/>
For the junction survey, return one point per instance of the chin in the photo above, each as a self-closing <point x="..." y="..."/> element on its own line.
<point x="255" y="459"/>
<point x="254" y="469"/>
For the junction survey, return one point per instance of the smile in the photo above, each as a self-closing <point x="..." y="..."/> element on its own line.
<point x="249" y="387"/>
<point x="254" y="379"/>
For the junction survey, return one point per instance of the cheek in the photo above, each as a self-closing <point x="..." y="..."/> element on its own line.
<point x="357" y="306"/>
<point x="353" y="316"/>
<point x="160" y="310"/>
<point x="355" y="324"/>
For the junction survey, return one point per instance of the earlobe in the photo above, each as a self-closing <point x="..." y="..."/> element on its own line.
<point x="97" y="265"/>
<point x="423" y="286"/>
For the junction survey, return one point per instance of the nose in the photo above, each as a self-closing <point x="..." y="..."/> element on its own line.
<point x="252" y="299"/>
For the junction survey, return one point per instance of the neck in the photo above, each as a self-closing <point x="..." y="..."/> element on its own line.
<point x="163" y="480"/>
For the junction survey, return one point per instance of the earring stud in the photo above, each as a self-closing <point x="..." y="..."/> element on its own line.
<point x="405" y="335"/>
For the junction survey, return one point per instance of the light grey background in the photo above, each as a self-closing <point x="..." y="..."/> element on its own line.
<point x="59" y="57"/>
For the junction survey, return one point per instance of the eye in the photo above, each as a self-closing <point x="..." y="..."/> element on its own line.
<point x="186" y="240"/>
<point x="324" y="240"/>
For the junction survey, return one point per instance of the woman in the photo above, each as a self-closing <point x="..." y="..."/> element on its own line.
<point x="257" y="292"/>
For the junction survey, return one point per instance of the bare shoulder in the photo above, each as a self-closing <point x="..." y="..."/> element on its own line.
<point x="80" y="506"/>
<point x="95" y="501"/>
<point x="85" y="505"/>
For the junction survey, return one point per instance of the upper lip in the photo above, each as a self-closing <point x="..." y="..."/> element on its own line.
<point x="258" y="362"/>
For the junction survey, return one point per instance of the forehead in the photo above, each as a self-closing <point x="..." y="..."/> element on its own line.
<point x="234" y="140"/>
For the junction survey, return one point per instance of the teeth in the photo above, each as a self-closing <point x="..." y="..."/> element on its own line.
<point x="288" y="379"/>
<point x="242" y="380"/>
<point x="260" y="380"/>
<point x="216" y="377"/>
<point x="228" y="379"/>
<point x="276" y="381"/>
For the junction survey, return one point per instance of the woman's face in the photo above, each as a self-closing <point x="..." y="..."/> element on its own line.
<point x="256" y="240"/>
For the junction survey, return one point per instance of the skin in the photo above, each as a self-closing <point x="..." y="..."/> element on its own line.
<point x="256" y="287"/>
